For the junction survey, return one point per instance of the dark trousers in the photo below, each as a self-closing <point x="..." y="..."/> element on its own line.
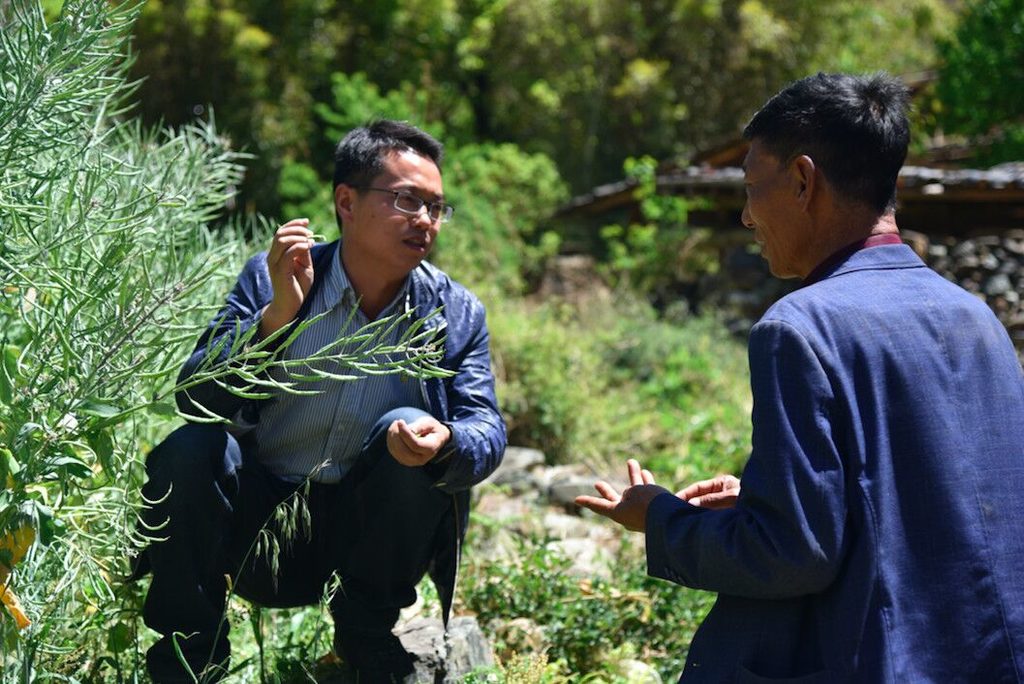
<point x="212" y="500"/>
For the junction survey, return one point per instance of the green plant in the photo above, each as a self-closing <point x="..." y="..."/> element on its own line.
<point x="108" y="259"/>
<point x="658" y="253"/>
<point x="982" y="76"/>
<point x="585" y="619"/>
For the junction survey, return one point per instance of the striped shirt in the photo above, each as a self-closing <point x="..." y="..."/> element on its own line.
<point x="319" y="436"/>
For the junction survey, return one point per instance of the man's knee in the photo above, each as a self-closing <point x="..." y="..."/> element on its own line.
<point x="406" y="413"/>
<point x="195" y="451"/>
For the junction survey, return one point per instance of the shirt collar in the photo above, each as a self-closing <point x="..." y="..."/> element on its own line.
<point x="338" y="289"/>
<point x="822" y="270"/>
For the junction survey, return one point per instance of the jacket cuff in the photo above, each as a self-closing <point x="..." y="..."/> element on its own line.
<point x="438" y="465"/>
<point x="663" y="508"/>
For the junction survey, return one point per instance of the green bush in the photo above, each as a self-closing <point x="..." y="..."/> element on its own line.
<point x="605" y="382"/>
<point x="585" y="620"/>
<point x="503" y="195"/>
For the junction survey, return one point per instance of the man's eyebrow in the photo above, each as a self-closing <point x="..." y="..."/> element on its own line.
<point x="412" y="187"/>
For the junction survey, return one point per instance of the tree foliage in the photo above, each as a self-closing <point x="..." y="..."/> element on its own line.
<point x="588" y="83"/>
<point x="981" y="84"/>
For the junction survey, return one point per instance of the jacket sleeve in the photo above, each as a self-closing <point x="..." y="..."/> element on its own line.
<point x="786" y="536"/>
<point x="478" y="430"/>
<point x="236" y="318"/>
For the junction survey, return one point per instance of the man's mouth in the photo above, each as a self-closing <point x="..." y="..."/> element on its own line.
<point x="420" y="244"/>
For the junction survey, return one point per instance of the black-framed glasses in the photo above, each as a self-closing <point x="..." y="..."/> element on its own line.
<point x="410" y="204"/>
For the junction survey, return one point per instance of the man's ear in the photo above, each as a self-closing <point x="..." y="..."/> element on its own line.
<point x="344" y="195"/>
<point x="805" y="176"/>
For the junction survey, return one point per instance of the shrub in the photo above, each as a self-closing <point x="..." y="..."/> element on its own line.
<point x="108" y="262"/>
<point x="605" y="382"/>
<point x="584" y="619"/>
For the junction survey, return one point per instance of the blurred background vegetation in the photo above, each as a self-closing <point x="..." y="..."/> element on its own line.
<point x="148" y="148"/>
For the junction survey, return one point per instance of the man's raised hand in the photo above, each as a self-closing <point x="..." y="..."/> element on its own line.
<point x="718" y="492"/>
<point x="629" y="509"/>
<point x="291" y="274"/>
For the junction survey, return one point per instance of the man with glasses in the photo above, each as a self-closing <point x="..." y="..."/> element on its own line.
<point x="376" y="473"/>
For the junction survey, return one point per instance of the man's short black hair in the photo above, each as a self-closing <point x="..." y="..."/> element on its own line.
<point x="855" y="129"/>
<point x="359" y="157"/>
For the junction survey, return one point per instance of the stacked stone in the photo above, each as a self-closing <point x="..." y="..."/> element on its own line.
<point x="991" y="267"/>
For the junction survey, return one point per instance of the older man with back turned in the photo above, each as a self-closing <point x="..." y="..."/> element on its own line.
<point x="877" y="535"/>
<point x="383" y="465"/>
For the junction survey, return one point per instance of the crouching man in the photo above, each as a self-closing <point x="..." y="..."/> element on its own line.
<point x="382" y="465"/>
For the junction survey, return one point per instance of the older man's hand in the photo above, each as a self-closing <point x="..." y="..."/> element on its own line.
<point x="717" y="493"/>
<point x="629" y="508"/>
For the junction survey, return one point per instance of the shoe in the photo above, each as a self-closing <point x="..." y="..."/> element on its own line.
<point x="376" y="657"/>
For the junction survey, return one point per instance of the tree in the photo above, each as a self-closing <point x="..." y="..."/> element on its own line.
<point x="981" y="81"/>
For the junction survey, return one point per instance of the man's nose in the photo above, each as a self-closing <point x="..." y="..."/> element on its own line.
<point x="745" y="218"/>
<point x="422" y="219"/>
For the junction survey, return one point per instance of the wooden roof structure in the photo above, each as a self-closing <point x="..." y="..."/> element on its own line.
<point x="957" y="202"/>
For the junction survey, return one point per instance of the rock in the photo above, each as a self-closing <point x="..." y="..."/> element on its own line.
<point x="989" y="262"/>
<point x="963" y="248"/>
<point x="563" y="484"/>
<point x="424" y="639"/>
<point x="636" y="672"/>
<point x="562" y="526"/>
<point x="440" y="657"/>
<point x="589" y="558"/>
<point x="468" y="648"/>
<point x="515" y="468"/>
<point x="997" y="285"/>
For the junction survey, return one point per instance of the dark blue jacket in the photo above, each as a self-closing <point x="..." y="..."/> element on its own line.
<point x="879" y="533"/>
<point x="464" y="401"/>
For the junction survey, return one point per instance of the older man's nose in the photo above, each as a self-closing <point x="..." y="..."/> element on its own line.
<point x="745" y="218"/>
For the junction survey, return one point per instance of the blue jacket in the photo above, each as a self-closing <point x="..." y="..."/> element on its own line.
<point x="465" y="401"/>
<point x="879" y="533"/>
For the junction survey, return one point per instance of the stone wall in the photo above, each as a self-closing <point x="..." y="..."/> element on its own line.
<point x="989" y="266"/>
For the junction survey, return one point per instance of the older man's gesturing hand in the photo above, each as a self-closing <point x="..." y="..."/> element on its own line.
<point x="629" y="509"/>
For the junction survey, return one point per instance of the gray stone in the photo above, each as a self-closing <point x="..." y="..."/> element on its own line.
<point x="564" y="483"/>
<point x="515" y="469"/>
<point x="424" y="639"/>
<point x="468" y="648"/>
<point x="963" y="249"/>
<point x="439" y="657"/>
<point x="562" y="526"/>
<point x="997" y="285"/>
<point x="589" y="558"/>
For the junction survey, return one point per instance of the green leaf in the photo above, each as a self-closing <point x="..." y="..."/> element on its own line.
<point x="48" y="526"/>
<point x="8" y="373"/>
<point x="73" y="466"/>
<point x="163" y="408"/>
<point x="102" y="444"/>
<point x="98" y="408"/>
<point x="9" y="466"/>
<point x="119" y="638"/>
